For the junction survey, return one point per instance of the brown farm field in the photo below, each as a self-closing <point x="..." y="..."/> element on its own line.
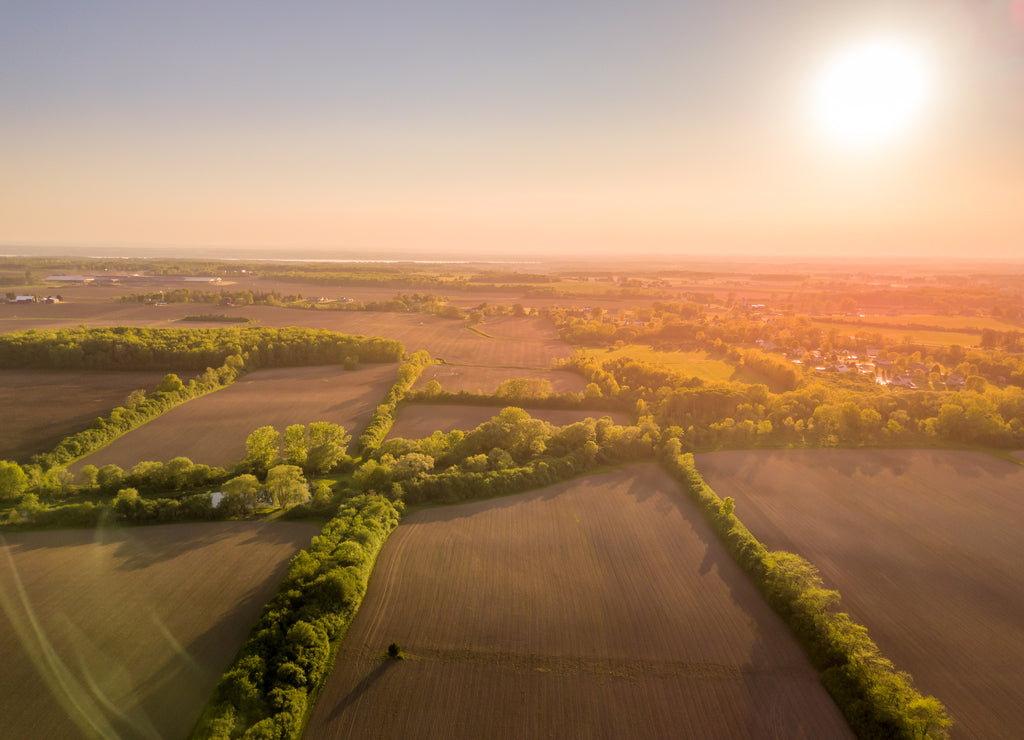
<point x="479" y="379"/>
<point x="212" y="429"/>
<point x="41" y="407"/>
<point x="416" y="421"/>
<point x="601" y="607"/>
<point x="924" y="546"/>
<point x="521" y="343"/>
<point x="125" y="633"/>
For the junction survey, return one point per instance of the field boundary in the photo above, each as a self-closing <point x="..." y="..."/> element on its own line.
<point x="876" y="699"/>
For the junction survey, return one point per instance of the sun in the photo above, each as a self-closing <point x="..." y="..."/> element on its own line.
<point x="871" y="92"/>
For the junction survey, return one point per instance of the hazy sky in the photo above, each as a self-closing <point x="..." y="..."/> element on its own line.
<point x="526" y="126"/>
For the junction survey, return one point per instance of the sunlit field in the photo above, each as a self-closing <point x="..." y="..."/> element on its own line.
<point x="925" y="548"/>
<point x="601" y="607"/>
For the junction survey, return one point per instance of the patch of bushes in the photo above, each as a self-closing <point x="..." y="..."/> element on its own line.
<point x="877" y="700"/>
<point x="270" y="687"/>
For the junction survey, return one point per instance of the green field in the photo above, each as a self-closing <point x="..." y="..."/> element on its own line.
<point x="698" y="364"/>
<point x="932" y="337"/>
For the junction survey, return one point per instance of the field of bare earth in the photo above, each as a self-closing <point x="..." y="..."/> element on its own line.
<point x="40" y="407"/>
<point x="600" y="607"/>
<point x="446" y="339"/>
<point x="924" y="546"/>
<point x="478" y="379"/>
<point x="125" y="633"/>
<point x="212" y="429"/>
<point x="416" y="421"/>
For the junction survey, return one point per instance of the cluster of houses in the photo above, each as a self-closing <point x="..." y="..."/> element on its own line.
<point x="884" y="372"/>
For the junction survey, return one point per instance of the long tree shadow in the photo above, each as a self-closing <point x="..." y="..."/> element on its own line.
<point x="360" y="688"/>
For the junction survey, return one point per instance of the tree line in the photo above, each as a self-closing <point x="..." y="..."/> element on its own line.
<point x="877" y="700"/>
<point x="137" y="348"/>
<point x="268" y="689"/>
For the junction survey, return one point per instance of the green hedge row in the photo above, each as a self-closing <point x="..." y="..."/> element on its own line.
<point x="169" y="393"/>
<point x="270" y="687"/>
<point x="384" y="415"/>
<point x="877" y="700"/>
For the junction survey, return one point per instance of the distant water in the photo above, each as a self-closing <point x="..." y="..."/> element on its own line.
<point x="258" y="254"/>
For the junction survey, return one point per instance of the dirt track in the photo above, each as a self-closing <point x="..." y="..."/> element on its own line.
<point x="926" y="549"/>
<point x="602" y="607"/>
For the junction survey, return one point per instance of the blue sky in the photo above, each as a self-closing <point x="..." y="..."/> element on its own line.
<point x="516" y="126"/>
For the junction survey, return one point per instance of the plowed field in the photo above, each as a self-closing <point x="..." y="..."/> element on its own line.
<point x="521" y="343"/>
<point x="416" y="421"/>
<point x="925" y="548"/>
<point x="602" y="607"/>
<point x="124" y="633"/>
<point x="40" y="408"/>
<point x="213" y="429"/>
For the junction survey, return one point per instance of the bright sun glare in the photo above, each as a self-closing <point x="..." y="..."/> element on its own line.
<point x="871" y="92"/>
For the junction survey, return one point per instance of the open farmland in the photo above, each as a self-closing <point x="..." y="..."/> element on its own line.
<point x="212" y="429"/>
<point x="416" y="421"/>
<point x="925" y="548"/>
<point x="537" y="345"/>
<point x="478" y="379"/>
<point x="41" y="407"/>
<point x="696" y="363"/>
<point x="124" y="633"/>
<point x="601" y="607"/>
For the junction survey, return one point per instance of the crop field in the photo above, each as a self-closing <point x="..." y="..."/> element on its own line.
<point x="600" y="607"/>
<point x="446" y="339"/>
<point x="930" y="337"/>
<point x="698" y="364"/>
<point x="925" y="548"/>
<point x="40" y="407"/>
<point x="212" y="429"/>
<point x="124" y="633"/>
<point x="416" y="420"/>
<point x="972" y="324"/>
<point x="479" y="379"/>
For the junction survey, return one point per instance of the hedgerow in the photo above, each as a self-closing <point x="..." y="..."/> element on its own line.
<point x="269" y="688"/>
<point x="877" y="700"/>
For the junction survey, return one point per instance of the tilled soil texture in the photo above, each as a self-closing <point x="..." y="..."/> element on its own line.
<point x="925" y="548"/>
<point x="521" y="342"/>
<point x="125" y="633"/>
<point x="601" y="607"/>
<point x="416" y="420"/>
<point x="212" y="429"/>
<point x="38" y="408"/>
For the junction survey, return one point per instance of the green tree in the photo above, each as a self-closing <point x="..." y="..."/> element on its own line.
<point x="170" y="384"/>
<point x="240" y="495"/>
<point x="328" y="444"/>
<point x="287" y="486"/>
<point x="295" y="446"/>
<point x="261" y="449"/>
<point x="13" y="480"/>
<point x="87" y="476"/>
